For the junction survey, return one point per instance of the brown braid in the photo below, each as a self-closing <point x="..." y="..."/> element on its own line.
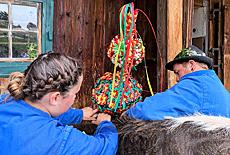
<point x="49" y="72"/>
<point x="15" y="85"/>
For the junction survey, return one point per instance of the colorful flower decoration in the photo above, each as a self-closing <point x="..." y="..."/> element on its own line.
<point x="102" y="93"/>
<point x="115" y="93"/>
<point x="136" y="50"/>
<point x="131" y="49"/>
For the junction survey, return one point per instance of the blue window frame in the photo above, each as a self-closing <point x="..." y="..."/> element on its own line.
<point x="47" y="6"/>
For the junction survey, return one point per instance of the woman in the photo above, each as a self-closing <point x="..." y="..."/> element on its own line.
<point x="34" y="116"/>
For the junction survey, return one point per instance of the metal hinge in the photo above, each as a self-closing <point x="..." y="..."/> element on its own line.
<point x="212" y="53"/>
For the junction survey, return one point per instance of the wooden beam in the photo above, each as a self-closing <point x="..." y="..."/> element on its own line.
<point x="174" y="33"/>
<point x="227" y="47"/>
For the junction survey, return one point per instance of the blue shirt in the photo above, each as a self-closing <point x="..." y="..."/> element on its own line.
<point x="196" y="92"/>
<point x="26" y="130"/>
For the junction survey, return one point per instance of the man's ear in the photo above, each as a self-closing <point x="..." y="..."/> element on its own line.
<point x="53" y="97"/>
<point x="192" y="64"/>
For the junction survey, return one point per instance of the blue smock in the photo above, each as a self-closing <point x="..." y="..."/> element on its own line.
<point x="196" y="92"/>
<point x="26" y="130"/>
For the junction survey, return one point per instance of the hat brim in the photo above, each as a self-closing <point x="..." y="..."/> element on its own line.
<point x="203" y="59"/>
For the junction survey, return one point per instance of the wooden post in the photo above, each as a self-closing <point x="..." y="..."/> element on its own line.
<point x="174" y="33"/>
<point x="226" y="47"/>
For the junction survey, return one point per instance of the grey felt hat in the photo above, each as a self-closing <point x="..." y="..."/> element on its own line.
<point x="190" y="53"/>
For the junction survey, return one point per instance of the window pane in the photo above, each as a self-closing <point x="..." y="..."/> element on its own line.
<point x="4" y="37"/>
<point x="3" y="15"/>
<point x="20" y="42"/>
<point x="33" y="38"/>
<point x="4" y="48"/>
<point x="24" y="17"/>
<point x="24" y="37"/>
<point x="19" y="50"/>
<point x="19" y="37"/>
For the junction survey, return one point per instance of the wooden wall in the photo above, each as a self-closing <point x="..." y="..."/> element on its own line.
<point x="84" y="29"/>
<point x="174" y="25"/>
<point x="226" y="47"/>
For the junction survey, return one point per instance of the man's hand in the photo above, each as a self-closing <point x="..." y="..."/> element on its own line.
<point x="88" y="113"/>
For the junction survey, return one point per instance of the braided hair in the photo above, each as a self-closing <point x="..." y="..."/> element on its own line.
<point x="49" y="72"/>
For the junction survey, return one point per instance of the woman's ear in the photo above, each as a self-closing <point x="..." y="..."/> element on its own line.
<point x="53" y="97"/>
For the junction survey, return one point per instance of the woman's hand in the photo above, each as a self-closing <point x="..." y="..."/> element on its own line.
<point x="102" y="117"/>
<point x="88" y="113"/>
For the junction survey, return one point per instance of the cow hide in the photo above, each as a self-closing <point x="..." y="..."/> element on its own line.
<point x="187" y="135"/>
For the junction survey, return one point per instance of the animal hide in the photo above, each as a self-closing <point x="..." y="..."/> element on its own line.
<point x="187" y="135"/>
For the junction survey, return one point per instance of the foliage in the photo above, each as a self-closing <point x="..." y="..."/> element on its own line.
<point x="32" y="52"/>
<point x="3" y="15"/>
<point x="187" y="52"/>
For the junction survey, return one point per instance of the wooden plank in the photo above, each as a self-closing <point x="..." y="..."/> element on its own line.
<point x="198" y="3"/>
<point x="227" y="72"/>
<point x="149" y="41"/>
<point x="174" y="33"/>
<point x="78" y="24"/>
<point x="111" y="28"/>
<point x="87" y="85"/>
<point x="220" y="42"/>
<point x="215" y="36"/>
<point x="226" y="29"/>
<point x="68" y="26"/>
<point x="226" y="80"/>
<point x="78" y="29"/>
<point x="211" y="35"/>
<point x="99" y="54"/>
<point x="162" y="40"/>
<point x="59" y="31"/>
<point x="226" y="2"/>
<point x="188" y="11"/>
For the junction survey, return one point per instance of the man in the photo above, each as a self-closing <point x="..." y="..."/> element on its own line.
<point x="198" y="90"/>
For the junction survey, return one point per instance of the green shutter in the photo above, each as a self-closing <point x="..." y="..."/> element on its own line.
<point x="47" y="25"/>
<point x="6" y="68"/>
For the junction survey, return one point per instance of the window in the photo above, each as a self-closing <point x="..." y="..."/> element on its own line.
<point x="19" y="28"/>
<point x="24" y="23"/>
